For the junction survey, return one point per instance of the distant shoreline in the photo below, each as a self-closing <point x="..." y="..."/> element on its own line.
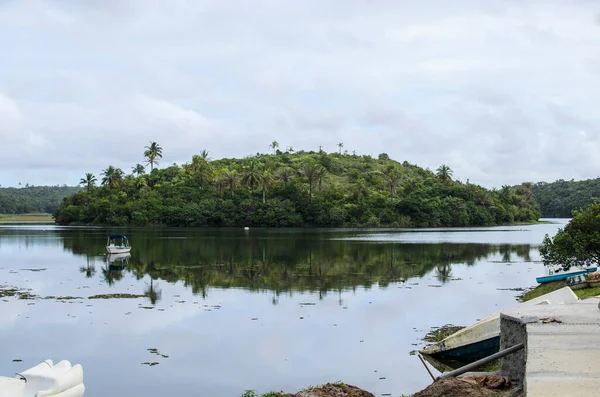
<point x="26" y="218"/>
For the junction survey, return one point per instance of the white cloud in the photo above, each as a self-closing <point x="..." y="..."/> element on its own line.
<point x="500" y="91"/>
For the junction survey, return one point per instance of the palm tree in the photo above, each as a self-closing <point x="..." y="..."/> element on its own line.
<point x="274" y="145"/>
<point x="265" y="183"/>
<point x="251" y="175"/>
<point x="138" y="170"/>
<point x="285" y="174"/>
<point x="231" y="179"/>
<point x="311" y="172"/>
<point x="321" y="173"/>
<point x="89" y="181"/>
<point x="444" y="173"/>
<point x="112" y="176"/>
<point x="201" y="166"/>
<point x="392" y="179"/>
<point x="152" y="153"/>
<point x="340" y="145"/>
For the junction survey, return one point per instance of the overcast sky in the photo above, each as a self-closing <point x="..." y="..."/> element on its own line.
<point x="501" y="91"/>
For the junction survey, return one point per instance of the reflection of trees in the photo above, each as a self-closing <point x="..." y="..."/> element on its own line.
<point x="443" y="272"/>
<point x="88" y="270"/>
<point x="274" y="261"/>
<point x="153" y="292"/>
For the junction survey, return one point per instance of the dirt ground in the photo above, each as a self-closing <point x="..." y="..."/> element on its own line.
<point x="334" y="390"/>
<point x="469" y="387"/>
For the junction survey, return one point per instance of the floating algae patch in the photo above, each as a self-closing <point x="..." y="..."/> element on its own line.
<point x="34" y="270"/>
<point x="6" y="291"/>
<point x="62" y="298"/>
<point x="116" y="296"/>
<point x="437" y="334"/>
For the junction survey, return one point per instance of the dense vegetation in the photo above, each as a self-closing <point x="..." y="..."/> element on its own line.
<point x="558" y="199"/>
<point x="578" y="244"/>
<point x="291" y="189"/>
<point x="33" y="198"/>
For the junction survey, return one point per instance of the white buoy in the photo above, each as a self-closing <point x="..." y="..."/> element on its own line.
<point x="246" y="228"/>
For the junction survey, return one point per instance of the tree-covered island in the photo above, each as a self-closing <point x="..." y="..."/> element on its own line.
<point x="288" y="188"/>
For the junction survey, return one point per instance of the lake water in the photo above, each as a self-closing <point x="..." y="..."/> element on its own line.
<point x="264" y="309"/>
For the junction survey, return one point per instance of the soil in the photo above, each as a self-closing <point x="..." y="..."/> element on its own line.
<point x="467" y="387"/>
<point x="334" y="390"/>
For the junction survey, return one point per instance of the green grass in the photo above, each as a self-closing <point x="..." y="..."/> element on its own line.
<point x="553" y="286"/>
<point x="26" y="218"/>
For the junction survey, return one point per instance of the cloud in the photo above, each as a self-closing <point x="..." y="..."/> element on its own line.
<point x="499" y="91"/>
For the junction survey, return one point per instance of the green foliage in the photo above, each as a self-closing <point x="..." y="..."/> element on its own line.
<point x="39" y="199"/>
<point x="559" y="199"/>
<point x="578" y="244"/>
<point x="293" y="189"/>
<point x="546" y="288"/>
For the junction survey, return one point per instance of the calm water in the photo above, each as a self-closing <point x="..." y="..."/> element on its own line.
<point x="265" y="309"/>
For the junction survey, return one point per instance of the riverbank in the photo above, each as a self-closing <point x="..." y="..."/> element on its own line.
<point x="26" y="218"/>
<point x="553" y="286"/>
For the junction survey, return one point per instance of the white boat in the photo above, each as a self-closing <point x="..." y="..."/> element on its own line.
<point x="45" y="380"/>
<point x="483" y="338"/>
<point x="114" y="246"/>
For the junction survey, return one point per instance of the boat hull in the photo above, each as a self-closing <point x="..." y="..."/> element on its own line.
<point x="118" y="250"/>
<point x="563" y="276"/>
<point x="473" y="351"/>
<point x="483" y="338"/>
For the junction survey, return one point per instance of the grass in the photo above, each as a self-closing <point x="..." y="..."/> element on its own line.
<point x="26" y="218"/>
<point x="437" y="334"/>
<point x="553" y="286"/>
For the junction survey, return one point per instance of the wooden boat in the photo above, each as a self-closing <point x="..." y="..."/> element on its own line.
<point x="114" y="246"/>
<point x="47" y="380"/>
<point x="483" y="338"/>
<point x="558" y="274"/>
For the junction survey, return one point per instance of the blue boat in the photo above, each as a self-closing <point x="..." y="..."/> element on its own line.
<point x="559" y="275"/>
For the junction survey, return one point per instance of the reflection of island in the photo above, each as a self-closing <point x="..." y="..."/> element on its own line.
<point x="286" y="263"/>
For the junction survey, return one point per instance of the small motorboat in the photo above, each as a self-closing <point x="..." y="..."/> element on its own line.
<point x="556" y="274"/>
<point x="45" y="380"/>
<point x="117" y="244"/>
<point x="483" y="338"/>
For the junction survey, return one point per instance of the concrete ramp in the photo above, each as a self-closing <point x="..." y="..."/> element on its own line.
<point x="562" y="355"/>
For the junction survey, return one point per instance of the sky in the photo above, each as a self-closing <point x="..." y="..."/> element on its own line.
<point x="502" y="91"/>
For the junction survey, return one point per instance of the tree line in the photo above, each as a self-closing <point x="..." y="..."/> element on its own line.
<point x="31" y="199"/>
<point x="559" y="199"/>
<point x="289" y="188"/>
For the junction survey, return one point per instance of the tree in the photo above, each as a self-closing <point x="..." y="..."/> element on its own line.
<point x="444" y="173"/>
<point x="231" y="179"/>
<point x="274" y="145"/>
<point x="321" y="174"/>
<point x="112" y="176"/>
<point x="152" y="153"/>
<point x="251" y="175"/>
<point x="578" y="244"/>
<point x="392" y="179"/>
<point x="89" y="181"/>
<point x="340" y="146"/>
<point x="285" y="174"/>
<point x="200" y="166"/>
<point x="265" y="183"/>
<point x="138" y="170"/>
<point x="311" y="172"/>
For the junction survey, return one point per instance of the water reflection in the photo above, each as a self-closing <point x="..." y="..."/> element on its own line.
<point x="303" y="262"/>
